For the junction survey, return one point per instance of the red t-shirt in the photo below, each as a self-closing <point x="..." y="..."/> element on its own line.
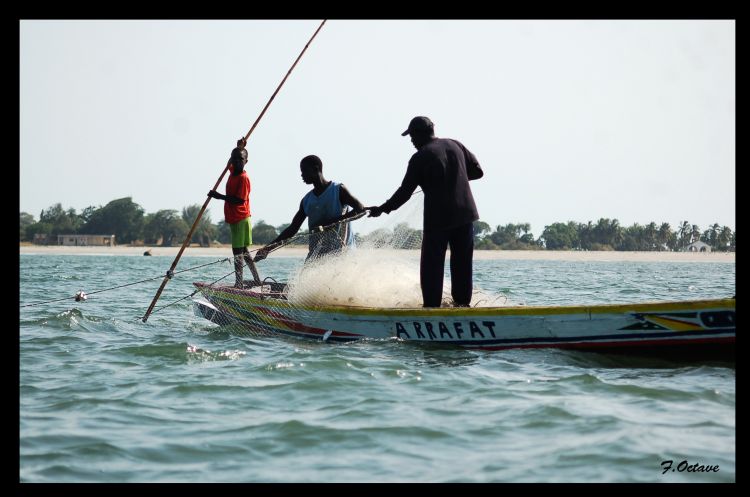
<point x="238" y="186"/>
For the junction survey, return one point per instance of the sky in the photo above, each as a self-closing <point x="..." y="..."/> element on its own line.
<point x="571" y="120"/>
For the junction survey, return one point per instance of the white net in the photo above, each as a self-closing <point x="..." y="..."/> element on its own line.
<point x="380" y="271"/>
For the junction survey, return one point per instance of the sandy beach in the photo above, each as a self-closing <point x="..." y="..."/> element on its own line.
<point x="542" y="255"/>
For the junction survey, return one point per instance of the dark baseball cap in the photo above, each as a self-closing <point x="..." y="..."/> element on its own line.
<point x="419" y="124"/>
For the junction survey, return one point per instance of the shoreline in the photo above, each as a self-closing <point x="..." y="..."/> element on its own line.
<point x="541" y="255"/>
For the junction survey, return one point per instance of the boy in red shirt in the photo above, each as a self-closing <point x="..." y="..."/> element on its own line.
<point x="237" y="209"/>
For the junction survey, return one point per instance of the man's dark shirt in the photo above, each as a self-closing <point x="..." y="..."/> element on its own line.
<point x="442" y="168"/>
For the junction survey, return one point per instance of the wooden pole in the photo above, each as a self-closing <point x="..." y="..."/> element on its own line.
<point x="218" y="181"/>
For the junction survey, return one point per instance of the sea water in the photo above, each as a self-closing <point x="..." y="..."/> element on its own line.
<point x="105" y="397"/>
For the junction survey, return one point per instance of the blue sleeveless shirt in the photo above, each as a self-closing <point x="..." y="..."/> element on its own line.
<point x="321" y="210"/>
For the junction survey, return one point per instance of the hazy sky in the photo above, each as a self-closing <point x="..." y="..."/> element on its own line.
<point x="570" y="120"/>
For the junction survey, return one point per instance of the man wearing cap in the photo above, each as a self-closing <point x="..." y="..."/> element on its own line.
<point x="442" y="168"/>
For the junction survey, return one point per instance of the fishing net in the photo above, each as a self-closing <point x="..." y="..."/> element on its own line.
<point x="379" y="270"/>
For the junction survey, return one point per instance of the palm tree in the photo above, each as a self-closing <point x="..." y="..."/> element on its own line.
<point x="651" y="234"/>
<point x="205" y="231"/>
<point x="695" y="233"/>
<point x="725" y="238"/>
<point x="166" y="225"/>
<point x="480" y="230"/>
<point x="585" y="235"/>
<point x="684" y="234"/>
<point x="665" y="237"/>
<point x="609" y="232"/>
<point x="527" y="238"/>
<point x="713" y="236"/>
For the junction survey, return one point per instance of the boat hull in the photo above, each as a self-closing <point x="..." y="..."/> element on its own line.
<point x="646" y="325"/>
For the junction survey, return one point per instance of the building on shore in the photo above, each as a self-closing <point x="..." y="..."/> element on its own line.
<point x="86" y="240"/>
<point x="698" y="247"/>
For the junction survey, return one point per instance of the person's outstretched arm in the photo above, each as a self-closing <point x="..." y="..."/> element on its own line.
<point x="289" y="232"/>
<point x="229" y="198"/>
<point x="400" y="196"/>
<point x="473" y="169"/>
<point x="348" y="199"/>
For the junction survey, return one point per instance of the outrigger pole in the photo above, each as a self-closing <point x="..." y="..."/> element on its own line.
<point x="253" y="269"/>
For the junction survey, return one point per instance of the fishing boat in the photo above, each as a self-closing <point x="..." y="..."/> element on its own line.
<point x="696" y="324"/>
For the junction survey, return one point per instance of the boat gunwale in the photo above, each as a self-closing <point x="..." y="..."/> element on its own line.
<point x="258" y="299"/>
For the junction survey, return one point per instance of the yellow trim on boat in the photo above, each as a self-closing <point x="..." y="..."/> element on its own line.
<point x="457" y="312"/>
<point x="674" y="324"/>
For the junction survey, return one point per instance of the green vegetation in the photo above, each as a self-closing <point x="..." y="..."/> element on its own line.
<point x="122" y="218"/>
<point x="263" y="233"/>
<point x="127" y="221"/>
<point x="606" y="234"/>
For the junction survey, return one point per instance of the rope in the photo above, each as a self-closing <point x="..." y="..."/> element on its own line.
<point x="191" y="294"/>
<point x="331" y="226"/>
<point x="202" y="265"/>
<point x="83" y="296"/>
<point x="170" y="274"/>
<point x="241" y="256"/>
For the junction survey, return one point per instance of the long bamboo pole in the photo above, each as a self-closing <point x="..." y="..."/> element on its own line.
<point x="254" y="270"/>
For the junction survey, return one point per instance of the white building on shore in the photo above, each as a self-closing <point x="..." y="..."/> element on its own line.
<point x="86" y="240"/>
<point x="698" y="247"/>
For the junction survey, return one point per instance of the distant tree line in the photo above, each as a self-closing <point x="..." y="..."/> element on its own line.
<point x="131" y="225"/>
<point x="606" y="234"/>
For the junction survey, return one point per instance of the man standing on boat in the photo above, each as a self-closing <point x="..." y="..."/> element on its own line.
<point x="237" y="209"/>
<point x="322" y="205"/>
<point x="442" y="168"/>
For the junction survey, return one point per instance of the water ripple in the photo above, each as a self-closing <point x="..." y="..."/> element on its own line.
<point x="105" y="397"/>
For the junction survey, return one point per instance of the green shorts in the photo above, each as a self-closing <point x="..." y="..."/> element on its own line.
<point x="242" y="233"/>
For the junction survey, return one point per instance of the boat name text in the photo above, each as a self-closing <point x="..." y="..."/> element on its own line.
<point x="430" y="331"/>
